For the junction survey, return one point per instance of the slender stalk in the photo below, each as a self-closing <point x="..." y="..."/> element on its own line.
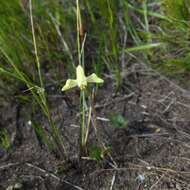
<point x="83" y="126"/>
<point x="35" y="46"/>
<point x="146" y="16"/>
<point x="79" y="28"/>
<point x="80" y="48"/>
<point x="57" y="138"/>
<point x="88" y="123"/>
<point x="55" y="132"/>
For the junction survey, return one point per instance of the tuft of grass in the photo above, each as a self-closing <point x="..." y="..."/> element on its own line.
<point x="14" y="64"/>
<point x="5" y="140"/>
<point x="173" y="58"/>
<point x="42" y="136"/>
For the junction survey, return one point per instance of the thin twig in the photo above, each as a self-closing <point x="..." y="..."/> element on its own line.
<point x="113" y="181"/>
<point x="115" y="101"/>
<point x="43" y="171"/>
<point x="53" y="176"/>
<point x="137" y="167"/>
<point x="8" y="165"/>
<point x="169" y="105"/>
<point x="150" y="135"/>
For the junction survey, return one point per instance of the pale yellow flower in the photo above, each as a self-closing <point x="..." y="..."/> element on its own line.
<point x="81" y="80"/>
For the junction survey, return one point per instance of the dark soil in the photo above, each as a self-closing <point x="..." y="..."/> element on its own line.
<point x="152" y="152"/>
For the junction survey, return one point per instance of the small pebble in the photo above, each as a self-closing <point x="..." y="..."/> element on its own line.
<point x="29" y="123"/>
<point x="10" y="187"/>
<point x="17" y="186"/>
<point x="144" y="106"/>
<point x="148" y="168"/>
<point x="141" y="178"/>
<point x="178" y="187"/>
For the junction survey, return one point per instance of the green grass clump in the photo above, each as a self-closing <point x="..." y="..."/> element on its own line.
<point x="177" y="9"/>
<point x="173" y="58"/>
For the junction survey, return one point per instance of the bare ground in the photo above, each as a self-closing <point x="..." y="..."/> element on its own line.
<point x="152" y="153"/>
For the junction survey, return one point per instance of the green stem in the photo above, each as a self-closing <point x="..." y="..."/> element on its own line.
<point x="35" y="46"/>
<point x="83" y="126"/>
<point x="78" y="30"/>
<point x="57" y="138"/>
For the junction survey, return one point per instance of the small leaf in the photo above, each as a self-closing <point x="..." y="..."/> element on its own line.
<point x="96" y="153"/>
<point x="144" y="47"/>
<point x="118" y="121"/>
<point x="4" y="139"/>
<point x="41" y="135"/>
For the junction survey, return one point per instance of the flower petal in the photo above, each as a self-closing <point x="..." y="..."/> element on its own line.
<point x="81" y="78"/>
<point x="69" y="84"/>
<point x="93" y="78"/>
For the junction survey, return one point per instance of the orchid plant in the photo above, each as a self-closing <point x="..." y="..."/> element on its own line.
<point x="82" y="82"/>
